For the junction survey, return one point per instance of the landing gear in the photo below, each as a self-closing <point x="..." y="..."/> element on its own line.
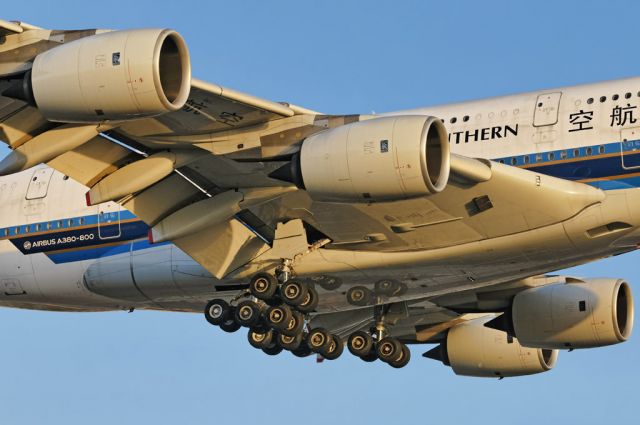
<point x="275" y="312"/>
<point x="377" y="344"/>
<point x="360" y="296"/>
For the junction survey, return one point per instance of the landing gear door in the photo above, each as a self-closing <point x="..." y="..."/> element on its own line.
<point x="109" y="221"/>
<point x="547" y="109"/>
<point x="39" y="183"/>
<point x="630" y="148"/>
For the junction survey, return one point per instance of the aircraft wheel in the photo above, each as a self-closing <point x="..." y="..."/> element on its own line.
<point x="310" y="302"/>
<point x="259" y="339"/>
<point x="371" y="357"/>
<point x="230" y="326"/>
<point x="387" y="287"/>
<point x="389" y="349"/>
<point x="217" y="312"/>
<point x="360" y="343"/>
<point x="335" y="349"/>
<point x="303" y="350"/>
<point x="247" y="313"/>
<point x="294" y="292"/>
<point x="263" y="286"/>
<point x="295" y="326"/>
<point x="360" y="296"/>
<point x="278" y="317"/>
<point x="319" y="340"/>
<point x="272" y="349"/>
<point x="289" y="343"/>
<point x="404" y="358"/>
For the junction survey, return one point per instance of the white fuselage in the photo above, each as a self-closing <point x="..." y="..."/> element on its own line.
<point x="57" y="253"/>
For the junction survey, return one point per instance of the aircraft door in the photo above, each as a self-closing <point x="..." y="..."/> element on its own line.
<point x="39" y="183"/>
<point x="109" y="221"/>
<point x="630" y="148"/>
<point x="547" y="109"/>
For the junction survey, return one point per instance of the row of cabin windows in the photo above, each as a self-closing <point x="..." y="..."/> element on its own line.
<point x="602" y="99"/>
<point x="39" y="227"/>
<point x="550" y="156"/>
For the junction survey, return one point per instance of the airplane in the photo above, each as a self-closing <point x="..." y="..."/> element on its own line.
<point x="131" y="185"/>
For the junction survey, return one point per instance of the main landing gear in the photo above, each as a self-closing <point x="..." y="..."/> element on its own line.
<point x="376" y="344"/>
<point x="276" y="314"/>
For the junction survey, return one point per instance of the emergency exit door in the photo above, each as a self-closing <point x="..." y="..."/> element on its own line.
<point x="547" y="109"/>
<point x="109" y="221"/>
<point x="39" y="183"/>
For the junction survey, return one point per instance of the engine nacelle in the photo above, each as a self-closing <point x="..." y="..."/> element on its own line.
<point x="382" y="159"/>
<point x="113" y="76"/>
<point x="471" y="349"/>
<point x="580" y="314"/>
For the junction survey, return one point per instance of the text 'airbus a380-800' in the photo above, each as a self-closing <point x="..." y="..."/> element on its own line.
<point x="313" y="231"/>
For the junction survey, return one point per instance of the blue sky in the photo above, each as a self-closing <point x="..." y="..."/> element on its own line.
<point x="336" y="57"/>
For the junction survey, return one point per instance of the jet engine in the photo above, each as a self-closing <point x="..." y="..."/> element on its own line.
<point x="577" y="314"/>
<point x="382" y="159"/>
<point x="471" y="349"/>
<point x="113" y="76"/>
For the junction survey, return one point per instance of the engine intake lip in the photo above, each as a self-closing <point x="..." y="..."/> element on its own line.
<point x="547" y="358"/>
<point x="435" y="158"/>
<point x="622" y="310"/>
<point x="172" y="70"/>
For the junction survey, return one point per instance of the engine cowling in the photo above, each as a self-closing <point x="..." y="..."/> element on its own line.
<point x="113" y="76"/>
<point x="381" y="159"/>
<point x="471" y="349"/>
<point x="579" y="314"/>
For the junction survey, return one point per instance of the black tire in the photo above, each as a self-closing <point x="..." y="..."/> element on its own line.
<point x="360" y="343"/>
<point x="371" y="357"/>
<point x="259" y="339"/>
<point x="278" y="317"/>
<point x="294" y="292"/>
<point x="217" y="312"/>
<point x="273" y="349"/>
<point x="360" y="296"/>
<point x="289" y="343"/>
<point x="310" y="303"/>
<point x="386" y="287"/>
<point x="389" y="349"/>
<point x="303" y="350"/>
<point x="247" y="313"/>
<point x="230" y="326"/>
<point x="296" y="324"/>
<point x="319" y="340"/>
<point x="263" y="286"/>
<point x="328" y="283"/>
<point x="403" y="360"/>
<point x="335" y="349"/>
<point x="262" y="326"/>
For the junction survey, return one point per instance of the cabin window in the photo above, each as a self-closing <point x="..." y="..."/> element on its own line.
<point x="501" y="161"/>
<point x="600" y="149"/>
<point x="49" y="225"/>
<point x="627" y="95"/>
<point x="70" y="222"/>
<point x="38" y="227"/>
<point x="590" y="100"/>
<point x="526" y="159"/>
<point x="538" y="157"/>
<point x="514" y="160"/>
<point x="453" y="120"/>
<point x="576" y="152"/>
<point x="6" y="232"/>
<point x="589" y="150"/>
<point x="563" y="155"/>
<point x="603" y="98"/>
<point x="615" y="97"/>
<point x="17" y="230"/>
<point x="465" y="118"/>
<point x="59" y="224"/>
<point x="551" y="156"/>
<point x="81" y="221"/>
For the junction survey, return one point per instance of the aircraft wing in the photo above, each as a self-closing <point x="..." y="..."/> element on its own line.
<point x="208" y="176"/>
